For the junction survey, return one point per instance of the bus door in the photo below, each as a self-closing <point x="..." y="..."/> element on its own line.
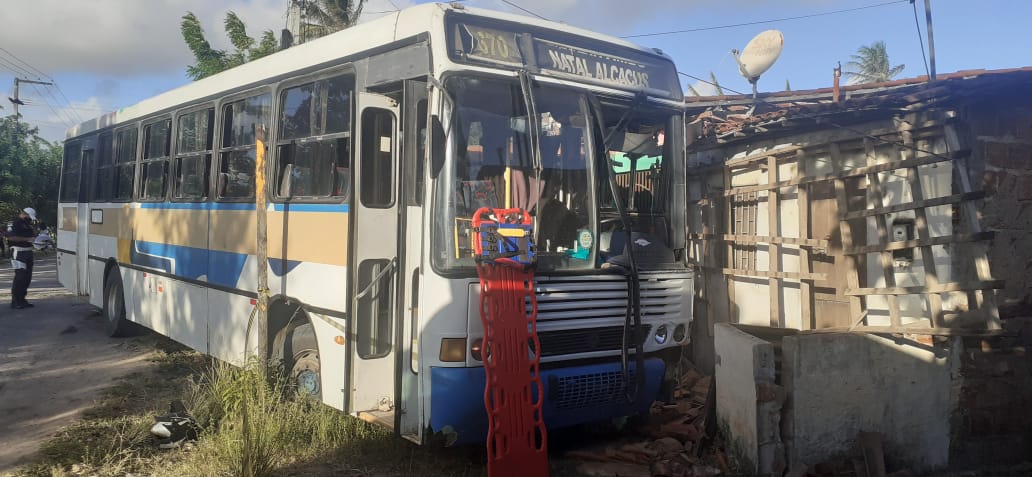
<point x="374" y="265"/>
<point x="82" y="229"/>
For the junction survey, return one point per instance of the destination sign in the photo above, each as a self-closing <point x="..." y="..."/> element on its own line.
<point x="563" y="55"/>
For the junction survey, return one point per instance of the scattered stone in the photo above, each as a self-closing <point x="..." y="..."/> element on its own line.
<point x="613" y="469"/>
<point x="67" y="331"/>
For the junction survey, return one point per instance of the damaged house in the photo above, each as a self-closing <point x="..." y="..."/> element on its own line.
<point x="864" y="263"/>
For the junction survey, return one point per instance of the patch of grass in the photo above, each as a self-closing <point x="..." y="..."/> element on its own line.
<point x="287" y="434"/>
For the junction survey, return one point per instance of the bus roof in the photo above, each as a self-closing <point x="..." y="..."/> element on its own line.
<point x="407" y="23"/>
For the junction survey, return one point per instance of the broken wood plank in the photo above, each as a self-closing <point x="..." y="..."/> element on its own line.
<point x="848" y="173"/>
<point x="946" y="200"/>
<point x="753" y="239"/>
<point x="908" y="330"/>
<point x="765" y="274"/>
<point x="922" y="289"/>
<point x="942" y="240"/>
<point x="786" y="152"/>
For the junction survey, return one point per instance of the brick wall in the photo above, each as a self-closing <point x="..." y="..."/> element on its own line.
<point x="999" y="133"/>
<point x="992" y="423"/>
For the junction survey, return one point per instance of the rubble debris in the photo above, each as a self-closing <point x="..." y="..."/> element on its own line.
<point x="670" y="443"/>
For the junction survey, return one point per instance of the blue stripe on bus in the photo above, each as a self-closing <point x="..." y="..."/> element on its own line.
<point x="312" y="207"/>
<point x="278" y="207"/>
<point x="221" y="268"/>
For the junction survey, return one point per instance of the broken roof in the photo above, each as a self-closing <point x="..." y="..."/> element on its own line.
<point x="727" y="118"/>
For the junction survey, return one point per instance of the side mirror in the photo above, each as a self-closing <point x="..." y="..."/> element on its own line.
<point x="438" y="146"/>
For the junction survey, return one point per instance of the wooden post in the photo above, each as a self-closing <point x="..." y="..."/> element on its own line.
<point x="805" y="264"/>
<point x="986" y="299"/>
<point x="773" y="249"/>
<point x="856" y="307"/>
<point x="261" y="316"/>
<point x="874" y="194"/>
<point x="730" y="259"/>
<point x="931" y="274"/>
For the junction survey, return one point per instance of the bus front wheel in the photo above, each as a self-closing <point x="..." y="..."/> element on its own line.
<point x="114" y="306"/>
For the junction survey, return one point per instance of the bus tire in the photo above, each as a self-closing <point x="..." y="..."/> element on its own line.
<point x="301" y="361"/>
<point x="114" y="306"/>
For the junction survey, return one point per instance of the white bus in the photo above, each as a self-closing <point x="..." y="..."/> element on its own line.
<point x="383" y="139"/>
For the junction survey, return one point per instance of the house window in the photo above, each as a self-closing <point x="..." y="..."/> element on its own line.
<point x="744" y="209"/>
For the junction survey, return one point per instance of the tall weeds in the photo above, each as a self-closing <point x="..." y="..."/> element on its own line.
<point x="282" y="427"/>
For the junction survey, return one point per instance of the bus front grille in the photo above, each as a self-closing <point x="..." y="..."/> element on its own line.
<point x="589" y="390"/>
<point x="560" y="342"/>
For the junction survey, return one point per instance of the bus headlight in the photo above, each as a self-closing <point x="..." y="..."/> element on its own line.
<point x="453" y="350"/>
<point x="661" y="334"/>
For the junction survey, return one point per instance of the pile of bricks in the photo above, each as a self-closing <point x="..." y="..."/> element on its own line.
<point x="673" y="442"/>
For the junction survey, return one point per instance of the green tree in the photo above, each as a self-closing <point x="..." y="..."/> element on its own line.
<point x="208" y="60"/>
<point x="871" y="65"/>
<point x="322" y="17"/>
<point x="30" y="169"/>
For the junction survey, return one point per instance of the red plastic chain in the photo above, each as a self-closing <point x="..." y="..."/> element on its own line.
<point x="517" y="443"/>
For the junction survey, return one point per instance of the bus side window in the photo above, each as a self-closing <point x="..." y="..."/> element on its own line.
<point x="314" y="144"/>
<point x="237" y="156"/>
<point x="125" y="163"/>
<point x="194" y="134"/>
<point x="154" y="165"/>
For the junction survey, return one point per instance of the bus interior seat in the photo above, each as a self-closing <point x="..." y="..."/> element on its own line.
<point x="222" y="183"/>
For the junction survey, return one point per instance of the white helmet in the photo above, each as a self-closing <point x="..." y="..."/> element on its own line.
<point x="31" y="212"/>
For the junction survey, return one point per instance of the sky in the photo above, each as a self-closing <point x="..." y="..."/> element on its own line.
<point x="106" y="54"/>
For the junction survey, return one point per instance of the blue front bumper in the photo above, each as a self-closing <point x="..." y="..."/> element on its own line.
<point x="573" y="395"/>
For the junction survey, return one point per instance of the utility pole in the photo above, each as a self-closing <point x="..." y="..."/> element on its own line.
<point x="931" y="42"/>
<point x="15" y="100"/>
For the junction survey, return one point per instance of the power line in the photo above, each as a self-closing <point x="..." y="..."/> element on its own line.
<point x="65" y="118"/>
<point x="17" y="70"/>
<point x="760" y="22"/>
<point x="507" y="2"/>
<point x="33" y="68"/>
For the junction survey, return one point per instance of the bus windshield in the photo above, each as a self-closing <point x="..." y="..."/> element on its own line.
<point x="492" y="164"/>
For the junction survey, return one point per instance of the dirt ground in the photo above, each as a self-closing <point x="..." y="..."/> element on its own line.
<point x="54" y="360"/>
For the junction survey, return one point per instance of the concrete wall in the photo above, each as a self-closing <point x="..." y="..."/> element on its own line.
<point x="749" y="400"/>
<point x="840" y="384"/>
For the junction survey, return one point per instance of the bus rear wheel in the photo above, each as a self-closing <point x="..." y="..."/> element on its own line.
<point x="301" y="361"/>
<point x="114" y="306"/>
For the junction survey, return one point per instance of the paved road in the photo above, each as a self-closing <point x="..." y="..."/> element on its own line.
<point x="54" y="361"/>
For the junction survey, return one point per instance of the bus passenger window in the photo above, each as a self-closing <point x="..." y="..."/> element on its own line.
<point x="241" y="120"/>
<point x="125" y="163"/>
<point x="70" y="173"/>
<point x="155" y="160"/>
<point x="193" y="154"/>
<point x="314" y="144"/>
<point x="104" y="185"/>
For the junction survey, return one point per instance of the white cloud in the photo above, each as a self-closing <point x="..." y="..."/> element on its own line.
<point x="129" y="37"/>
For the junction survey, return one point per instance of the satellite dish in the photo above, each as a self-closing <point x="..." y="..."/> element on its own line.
<point x="759" y="54"/>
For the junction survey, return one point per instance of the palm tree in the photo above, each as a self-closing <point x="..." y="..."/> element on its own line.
<point x="871" y="65"/>
<point x="210" y="60"/>
<point x="322" y="17"/>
